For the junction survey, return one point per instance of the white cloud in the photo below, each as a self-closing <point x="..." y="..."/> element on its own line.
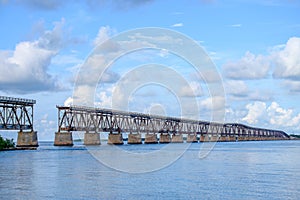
<point x="213" y="103"/>
<point x="282" y="117"/>
<point x="287" y="60"/>
<point x="104" y="33"/>
<point x="248" y="67"/>
<point x="26" y="68"/>
<point x="256" y="111"/>
<point x="177" y="25"/>
<point x="236" y="88"/>
<point x="261" y="114"/>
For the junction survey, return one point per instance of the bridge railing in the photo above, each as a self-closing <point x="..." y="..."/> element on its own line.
<point x="12" y="100"/>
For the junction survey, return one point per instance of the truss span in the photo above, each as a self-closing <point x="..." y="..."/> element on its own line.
<point x="77" y="118"/>
<point x="16" y="113"/>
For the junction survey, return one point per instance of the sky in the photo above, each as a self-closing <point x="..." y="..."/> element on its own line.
<point x="254" y="47"/>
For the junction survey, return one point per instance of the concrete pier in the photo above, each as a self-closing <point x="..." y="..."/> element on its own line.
<point x="177" y="138"/>
<point x="91" y="138"/>
<point x="134" y="138"/>
<point x="204" y="138"/>
<point x="242" y="138"/>
<point x="150" y="139"/>
<point x="27" y="139"/>
<point x="214" y="138"/>
<point x="115" y="138"/>
<point x="223" y="138"/>
<point x="164" y="138"/>
<point x="63" y="139"/>
<point x="232" y="138"/>
<point x="192" y="138"/>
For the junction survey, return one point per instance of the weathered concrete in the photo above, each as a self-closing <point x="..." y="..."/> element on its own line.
<point x="63" y="139"/>
<point x="223" y="138"/>
<point x="164" y="138"/>
<point x="91" y="138"/>
<point x="232" y="138"/>
<point x="115" y="138"/>
<point x="192" y="138"/>
<point x="204" y="138"/>
<point x="134" y="139"/>
<point x="242" y="138"/>
<point x="150" y="138"/>
<point x="214" y="138"/>
<point x="177" y="138"/>
<point x="27" y="139"/>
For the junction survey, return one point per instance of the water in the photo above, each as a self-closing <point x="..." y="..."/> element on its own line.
<point x="242" y="170"/>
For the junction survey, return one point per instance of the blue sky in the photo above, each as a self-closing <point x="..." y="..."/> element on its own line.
<point x="255" y="46"/>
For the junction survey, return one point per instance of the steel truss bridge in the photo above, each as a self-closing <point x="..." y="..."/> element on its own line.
<point x="77" y="118"/>
<point x="16" y="113"/>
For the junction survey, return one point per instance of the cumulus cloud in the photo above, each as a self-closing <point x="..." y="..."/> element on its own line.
<point x="256" y="111"/>
<point x="26" y="68"/>
<point x="287" y="60"/>
<point x="274" y="114"/>
<point x="248" y="67"/>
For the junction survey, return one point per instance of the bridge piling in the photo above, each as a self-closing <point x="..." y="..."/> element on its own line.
<point x="134" y="138"/>
<point x="27" y="139"/>
<point x="192" y="138"/>
<point x="91" y="138"/>
<point x="63" y="139"/>
<point x="204" y="138"/>
<point x="164" y="138"/>
<point x="177" y="138"/>
<point x="115" y="138"/>
<point x="150" y="138"/>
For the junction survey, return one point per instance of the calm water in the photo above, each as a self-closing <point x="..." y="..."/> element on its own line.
<point x="243" y="170"/>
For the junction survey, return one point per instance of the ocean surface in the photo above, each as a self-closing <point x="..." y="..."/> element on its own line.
<point x="233" y="170"/>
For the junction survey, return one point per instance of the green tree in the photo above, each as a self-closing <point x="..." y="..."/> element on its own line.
<point x="6" y="143"/>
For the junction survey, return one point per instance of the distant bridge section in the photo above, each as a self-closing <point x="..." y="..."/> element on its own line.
<point x="76" y="118"/>
<point x="17" y="114"/>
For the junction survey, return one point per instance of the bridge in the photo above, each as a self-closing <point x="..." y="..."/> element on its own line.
<point x="95" y="120"/>
<point x="17" y="114"/>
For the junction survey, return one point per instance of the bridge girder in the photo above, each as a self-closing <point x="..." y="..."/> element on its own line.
<point x="16" y="113"/>
<point x="75" y="118"/>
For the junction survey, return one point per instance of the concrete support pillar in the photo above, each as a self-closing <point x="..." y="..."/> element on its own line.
<point x="223" y="138"/>
<point x="164" y="138"/>
<point x="150" y="138"/>
<point x="192" y="138"/>
<point x="115" y="138"/>
<point x="91" y="138"/>
<point x="134" y="138"/>
<point x="177" y="138"/>
<point x="27" y="139"/>
<point x="242" y="138"/>
<point x="204" y="138"/>
<point x="214" y="138"/>
<point x="63" y="139"/>
<point x="232" y="138"/>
